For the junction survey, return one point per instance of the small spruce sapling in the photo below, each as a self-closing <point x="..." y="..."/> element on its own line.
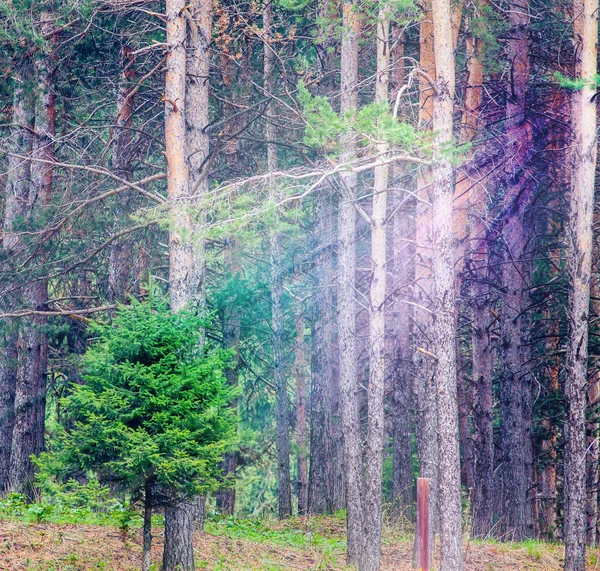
<point x="153" y="413"/>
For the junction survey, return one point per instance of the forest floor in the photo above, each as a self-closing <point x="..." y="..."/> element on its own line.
<point x="244" y="545"/>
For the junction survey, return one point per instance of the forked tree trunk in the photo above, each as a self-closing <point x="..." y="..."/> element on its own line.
<point x="580" y="237"/>
<point x="445" y="328"/>
<point x="349" y="387"/>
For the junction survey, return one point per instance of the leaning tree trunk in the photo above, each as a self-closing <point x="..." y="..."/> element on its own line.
<point x="580" y="237"/>
<point x="445" y="329"/>
<point x="349" y="387"/>
<point x="277" y="317"/>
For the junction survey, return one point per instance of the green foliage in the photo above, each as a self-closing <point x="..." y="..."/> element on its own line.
<point x="154" y="406"/>
<point x="576" y="84"/>
<point x="372" y="123"/>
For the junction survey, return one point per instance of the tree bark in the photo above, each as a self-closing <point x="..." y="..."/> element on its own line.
<point x="372" y="504"/>
<point x="30" y="394"/>
<point x="320" y="499"/>
<point x="580" y="238"/>
<point x="16" y="197"/>
<point x="277" y="316"/>
<point x="445" y="329"/>
<point x="178" y="554"/>
<point x="147" y="530"/>
<point x="349" y="387"/>
<point x="301" y="428"/>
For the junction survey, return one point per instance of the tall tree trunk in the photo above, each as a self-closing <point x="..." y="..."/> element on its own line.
<point x="402" y="274"/>
<point x="183" y="273"/>
<point x="514" y="393"/>
<point x="321" y="454"/>
<point x="372" y="504"/>
<point x="277" y="317"/>
<point x="230" y="318"/>
<point x="15" y="201"/>
<point x="30" y="394"/>
<point x="349" y="387"/>
<point x="425" y="415"/>
<point x="580" y="237"/>
<point x="301" y="429"/>
<point x="119" y="272"/>
<point x="445" y="329"/>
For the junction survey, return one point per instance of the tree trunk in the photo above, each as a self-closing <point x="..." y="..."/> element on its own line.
<point x="321" y="454"/>
<point x="425" y="415"/>
<point x="119" y="272"/>
<point x="372" y="504"/>
<point x="482" y="498"/>
<point x="178" y="554"/>
<point x="403" y="274"/>
<point x="225" y="499"/>
<point x="147" y="531"/>
<point x="580" y="238"/>
<point x="15" y="201"/>
<point x="514" y="399"/>
<point x="277" y="317"/>
<point x="349" y="387"/>
<point x="445" y="330"/>
<point x="301" y="429"/>
<point x="30" y="394"/>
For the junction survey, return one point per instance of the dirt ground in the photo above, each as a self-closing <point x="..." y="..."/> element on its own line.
<point x="51" y="547"/>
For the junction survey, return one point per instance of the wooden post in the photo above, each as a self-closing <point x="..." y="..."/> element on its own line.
<point x="423" y="524"/>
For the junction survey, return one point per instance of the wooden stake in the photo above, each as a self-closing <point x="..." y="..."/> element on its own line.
<point x="423" y="524"/>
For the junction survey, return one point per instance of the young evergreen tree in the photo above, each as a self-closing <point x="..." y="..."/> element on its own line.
<point x="153" y="414"/>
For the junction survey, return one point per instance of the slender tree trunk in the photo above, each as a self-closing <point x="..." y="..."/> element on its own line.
<point x="119" y="272"/>
<point x="301" y="428"/>
<point x="483" y="492"/>
<point x="277" y="317"/>
<point x="403" y="272"/>
<point x="321" y="453"/>
<point x="349" y="387"/>
<point x="147" y="531"/>
<point x="580" y="237"/>
<point x="225" y="499"/>
<point x="445" y="330"/>
<point x="425" y="415"/>
<point x="372" y="504"/>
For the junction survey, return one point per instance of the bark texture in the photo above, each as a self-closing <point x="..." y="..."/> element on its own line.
<point x="580" y="237"/>
<point x="178" y="554"/>
<point x="445" y="330"/>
